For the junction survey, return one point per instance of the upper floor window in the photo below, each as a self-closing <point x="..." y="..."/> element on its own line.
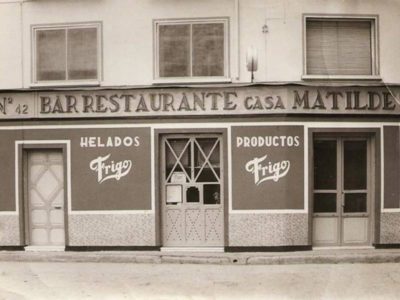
<point x="341" y="47"/>
<point x="67" y="53"/>
<point x="191" y="49"/>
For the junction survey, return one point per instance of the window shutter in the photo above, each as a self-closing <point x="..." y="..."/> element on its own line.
<point x="338" y="47"/>
<point x="208" y="49"/>
<point x="51" y="53"/>
<point x="191" y="49"/>
<point x="67" y="53"/>
<point x="82" y="53"/>
<point x="174" y="50"/>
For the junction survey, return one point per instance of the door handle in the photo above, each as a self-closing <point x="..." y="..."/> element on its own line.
<point x="343" y="200"/>
<point x="57" y="207"/>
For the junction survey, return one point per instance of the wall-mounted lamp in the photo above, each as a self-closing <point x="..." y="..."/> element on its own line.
<point x="252" y="61"/>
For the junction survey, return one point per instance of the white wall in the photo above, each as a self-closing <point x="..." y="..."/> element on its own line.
<point x="127" y="29"/>
<point x="10" y="45"/>
<point x="128" y="34"/>
<point x="281" y="49"/>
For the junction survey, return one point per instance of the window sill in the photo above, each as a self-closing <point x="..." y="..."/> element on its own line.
<point x="78" y="83"/>
<point x="194" y="80"/>
<point x="341" y="77"/>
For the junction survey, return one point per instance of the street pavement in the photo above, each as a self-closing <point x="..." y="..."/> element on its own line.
<point x="82" y="280"/>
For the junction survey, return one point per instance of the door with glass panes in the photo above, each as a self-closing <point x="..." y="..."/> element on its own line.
<point x="342" y="191"/>
<point x="192" y="191"/>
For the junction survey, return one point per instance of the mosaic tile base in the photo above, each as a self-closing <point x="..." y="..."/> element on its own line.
<point x="268" y="229"/>
<point x="390" y="228"/>
<point x="112" y="230"/>
<point x="9" y="230"/>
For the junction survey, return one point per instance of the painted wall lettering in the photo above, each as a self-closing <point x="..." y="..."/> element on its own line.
<point x="116" y="166"/>
<point x="266" y="170"/>
<point x="240" y="100"/>
<point x="267" y="141"/>
<point x="125" y="173"/>
<point x="107" y="169"/>
<point x="111" y="141"/>
<point x="16" y="106"/>
<point x="267" y="102"/>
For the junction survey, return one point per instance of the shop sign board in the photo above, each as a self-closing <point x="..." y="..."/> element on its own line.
<point x="201" y="101"/>
<point x="17" y="105"/>
<point x="268" y="172"/>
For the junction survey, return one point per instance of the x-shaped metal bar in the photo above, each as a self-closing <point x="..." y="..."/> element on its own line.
<point x="178" y="159"/>
<point x="207" y="159"/>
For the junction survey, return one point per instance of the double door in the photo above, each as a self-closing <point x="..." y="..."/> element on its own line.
<point x="342" y="191"/>
<point x="192" y="191"/>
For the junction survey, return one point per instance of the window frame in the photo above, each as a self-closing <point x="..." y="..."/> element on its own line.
<point x="190" y="79"/>
<point x="65" y="26"/>
<point x="374" y="21"/>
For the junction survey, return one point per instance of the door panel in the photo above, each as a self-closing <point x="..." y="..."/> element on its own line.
<point x="192" y="197"/>
<point x="341" y="206"/>
<point x="355" y="206"/>
<point x="326" y="209"/>
<point x="173" y="226"/>
<point x="193" y="225"/>
<point x="325" y="231"/>
<point x="355" y="230"/>
<point x="45" y="177"/>
<point x="213" y="225"/>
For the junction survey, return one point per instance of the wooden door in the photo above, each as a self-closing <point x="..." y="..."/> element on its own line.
<point x="192" y="191"/>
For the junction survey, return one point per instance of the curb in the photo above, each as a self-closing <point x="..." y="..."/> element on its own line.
<point x="244" y="258"/>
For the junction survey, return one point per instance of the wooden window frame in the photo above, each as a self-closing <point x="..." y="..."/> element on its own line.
<point x="87" y="82"/>
<point x="190" y="79"/>
<point x="374" y="21"/>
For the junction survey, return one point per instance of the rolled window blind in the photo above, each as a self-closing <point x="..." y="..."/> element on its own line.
<point x="338" y="47"/>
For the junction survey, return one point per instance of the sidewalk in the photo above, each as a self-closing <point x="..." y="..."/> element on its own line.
<point x="325" y="256"/>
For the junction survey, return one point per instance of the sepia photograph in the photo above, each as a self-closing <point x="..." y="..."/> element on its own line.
<point x="199" y="149"/>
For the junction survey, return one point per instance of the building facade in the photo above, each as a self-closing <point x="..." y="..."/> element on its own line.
<point x="229" y="125"/>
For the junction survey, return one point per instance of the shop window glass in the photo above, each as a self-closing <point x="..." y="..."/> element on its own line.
<point x="191" y="49"/>
<point x="178" y="160"/>
<point x="207" y="160"/>
<point x="325" y="165"/>
<point x="192" y="195"/>
<point x="355" y="165"/>
<point x="355" y="203"/>
<point x="212" y="194"/>
<point x="67" y="54"/>
<point x="340" y="46"/>
<point x="324" y="203"/>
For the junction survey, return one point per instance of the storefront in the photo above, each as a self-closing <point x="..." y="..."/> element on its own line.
<point x="234" y="167"/>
